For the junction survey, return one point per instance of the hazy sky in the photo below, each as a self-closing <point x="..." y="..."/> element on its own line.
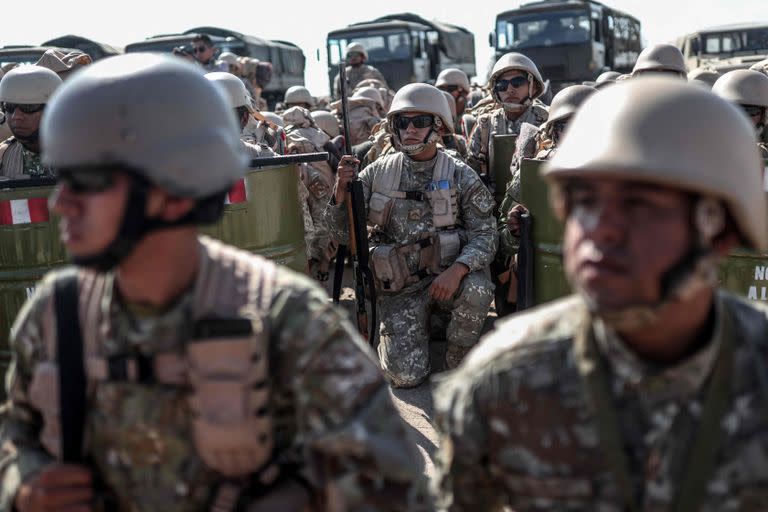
<point x="307" y="23"/>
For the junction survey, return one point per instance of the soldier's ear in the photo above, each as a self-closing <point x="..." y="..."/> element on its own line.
<point x="167" y="207"/>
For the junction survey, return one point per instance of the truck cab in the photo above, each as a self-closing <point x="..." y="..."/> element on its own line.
<point x="726" y="47"/>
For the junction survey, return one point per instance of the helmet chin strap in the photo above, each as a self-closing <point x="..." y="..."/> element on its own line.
<point x="414" y="149"/>
<point x="694" y="272"/>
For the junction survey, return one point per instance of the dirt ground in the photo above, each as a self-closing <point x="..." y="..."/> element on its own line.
<point x="415" y="404"/>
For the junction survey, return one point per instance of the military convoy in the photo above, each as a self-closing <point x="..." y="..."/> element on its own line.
<point x="286" y="58"/>
<point x="405" y="48"/>
<point x="725" y="48"/>
<point x="571" y="41"/>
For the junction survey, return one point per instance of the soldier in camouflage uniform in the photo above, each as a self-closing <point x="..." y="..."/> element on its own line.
<point x="515" y="85"/>
<point x="456" y="83"/>
<point x="357" y="70"/>
<point x="748" y="90"/>
<point x="433" y="237"/>
<point x="660" y="59"/>
<point x="303" y="136"/>
<point x="648" y="389"/>
<point x="540" y="143"/>
<point x="364" y="114"/>
<point x="213" y="380"/>
<point x="24" y="92"/>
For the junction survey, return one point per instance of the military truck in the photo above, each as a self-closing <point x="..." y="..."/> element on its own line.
<point x="571" y="41"/>
<point x="261" y="215"/>
<point x="725" y="48"/>
<point x="745" y="272"/>
<point x="286" y="58"/>
<point x="405" y="48"/>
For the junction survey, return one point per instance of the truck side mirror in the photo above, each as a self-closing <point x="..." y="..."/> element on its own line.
<point x="317" y="52"/>
<point x="492" y="38"/>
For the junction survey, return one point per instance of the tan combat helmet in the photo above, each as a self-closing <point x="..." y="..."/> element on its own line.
<point x="233" y="88"/>
<point x="298" y="94"/>
<point x="646" y="127"/>
<point x="357" y="48"/>
<point x="454" y="77"/>
<point x="368" y="93"/>
<point x="567" y="102"/>
<point x="606" y="78"/>
<point x="660" y="58"/>
<point x="327" y="122"/>
<point x="28" y="85"/>
<point x="705" y="76"/>
<point x="154" y="114"/>
<point x="518" y="61"/>
<point x="451" y="103"/>
<point x="420" y="98"/>
<point x="743" y="87"/>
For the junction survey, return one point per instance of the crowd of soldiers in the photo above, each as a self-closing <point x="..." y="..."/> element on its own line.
<point x="165" y="370"/>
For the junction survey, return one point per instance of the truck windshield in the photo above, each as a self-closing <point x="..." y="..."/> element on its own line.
<point x="543" y="29"/>
<point x="381" y="47"/>
<point x="751" y="41"/>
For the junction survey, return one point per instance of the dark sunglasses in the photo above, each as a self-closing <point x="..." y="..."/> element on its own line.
<point x="199" y="49"/>
<point x="421" y="121"/>
<point x="10" y="108"/>
<point x="752" y="110"/>
<point x="91" y="180"/>
<point x="516" y="82"/>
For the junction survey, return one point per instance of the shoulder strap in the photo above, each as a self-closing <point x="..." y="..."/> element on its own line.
<point x="444" y="168"/>
<point x="69" y="355"/>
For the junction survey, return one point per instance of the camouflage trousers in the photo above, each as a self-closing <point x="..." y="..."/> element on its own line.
<point x="405" y="320"/>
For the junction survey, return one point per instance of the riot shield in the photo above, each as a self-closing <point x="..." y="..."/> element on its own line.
<point x="500" y="158"/>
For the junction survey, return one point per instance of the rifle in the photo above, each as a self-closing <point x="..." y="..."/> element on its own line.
<point x="358" y="236"/>
<point x="525" y="264"/>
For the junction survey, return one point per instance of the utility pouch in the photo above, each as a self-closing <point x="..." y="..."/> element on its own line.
<point x="447" y="247"/>
<point x="232" y="425"/>
<point x="443" y="204"/>
<point x="379" y="209"/>
<point x="390" y="270"/>
<point x="44" y="396"/>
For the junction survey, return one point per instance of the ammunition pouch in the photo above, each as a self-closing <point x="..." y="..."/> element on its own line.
<point x="390" y="270"/>
<point x="232" y="425"/>
<point x="444" y="204"/>
<point x="379" y="209"/>
<point x="448" y="246"/>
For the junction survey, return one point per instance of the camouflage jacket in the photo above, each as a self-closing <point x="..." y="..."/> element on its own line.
<point x="518" y="428"/>
<point x="355" y="75"/>
<point x="334" y="425"/>
<point x="17" y="162"/>
<point x="479" y="153"/>
<point x="411" y="218"/>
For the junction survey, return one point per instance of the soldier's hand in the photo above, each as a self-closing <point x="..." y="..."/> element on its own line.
<point x="445" y="285"/>
<point x="345" y="173"/>
<point x="57" y="487"/>
<point x="513" y="219"/>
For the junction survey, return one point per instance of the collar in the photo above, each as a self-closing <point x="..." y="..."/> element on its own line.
<point x="658" y="383"/>
<point x="418" y="167"/>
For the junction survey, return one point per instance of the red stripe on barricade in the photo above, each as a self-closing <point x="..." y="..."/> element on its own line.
<point x="238" y="193"/>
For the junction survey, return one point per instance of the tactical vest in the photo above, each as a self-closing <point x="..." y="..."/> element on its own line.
<point x="436" y="249"/>
<point x="222" y="373"/>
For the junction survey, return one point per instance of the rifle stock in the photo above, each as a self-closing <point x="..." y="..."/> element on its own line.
<point x="525" y="298"/>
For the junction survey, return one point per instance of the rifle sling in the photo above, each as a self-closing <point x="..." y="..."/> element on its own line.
<point x="691" y="484"/>
<point x="72" y="380"/>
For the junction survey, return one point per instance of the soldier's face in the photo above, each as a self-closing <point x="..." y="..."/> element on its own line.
<point x="355" y="59"/>
<point x="621" y="238"/>
<point x="203" y="52"/>
<point x="89" y="220"/>
<point x="23" y="125"/>
<point x="512" y="93"/>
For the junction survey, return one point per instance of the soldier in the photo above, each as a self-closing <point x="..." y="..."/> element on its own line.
<point x="298" y="96"/>
<point x="209" y="379"/>
<point x="24" y="92"/>
<point x="605" y="79"/>
<point x="647" y="389"/>
<point x="205" y="53"/>
<point x="660" y="59"/>
<point x="364" y="114"/>
<point x="240" y="101"/>
<point x="433" y="237"/>
<point x="327" y="122"/>
<point x="455" y="82"/>
<point x="63" y="64"/>
<point x="515" y="84"/>
<point x="540" y="143"/>
<point x="704" y="76"/>
<point x="357" y="69"/>
<point x="303" y="136"/>
<point x="453" y="142"/>
<point x="387" y="94"/>
<point x="748" y="90"/>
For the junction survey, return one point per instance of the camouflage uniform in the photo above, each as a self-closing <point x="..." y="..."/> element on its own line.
<point x="17" y="162"/>
<point x="333" y="424"/>
<point x="496" y="122"/>
<point x="363" y="118"/>
<point x="518" y="428"/>
<point x="404" y="315"/>
<point x="355" y="75"/>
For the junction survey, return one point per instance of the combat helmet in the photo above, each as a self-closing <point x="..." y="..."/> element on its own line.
<point x="327" y="122"/>
<point x="158" y="119"/>
<point x="28" y="85"/>
<point x="455" y="77"/>
<point x="423" y="98"/>
<point x="743" y="87"/>
<point x="567" y="102"/>
<point x="517" y="61"/>
<point x="704" y="75"/>
<point x="646" y="126"/>
<point x="606" y="78"/>
<point x="660" y="58"/>
<point x="298" y="94"/>
<point x="357" y="48"/>
<point x="233" y="88"/>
